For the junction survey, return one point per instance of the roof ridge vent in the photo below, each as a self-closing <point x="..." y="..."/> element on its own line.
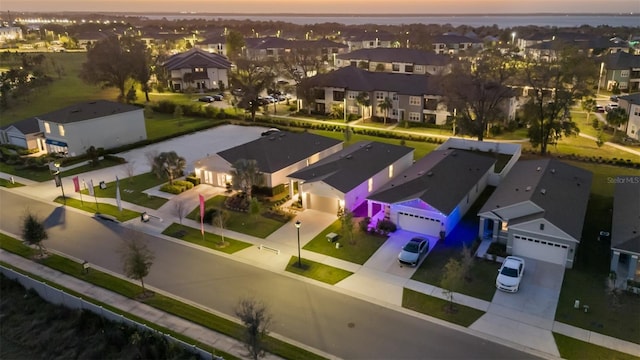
<point x="349" y="156"/>
<point x="430" y="173"/>
<point x="539" y="168"/>
<point x="543" y="191"/>
<point x="528" y="188"/>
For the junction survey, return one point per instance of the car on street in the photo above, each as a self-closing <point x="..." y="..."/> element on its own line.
<point x="600" y="108"/>
<point x="413" y="251"/>
<point x="206" y="99"/>
<point x="270" y="131"/>
<point x="510" y="274"/>
<point x="611" y="106"/>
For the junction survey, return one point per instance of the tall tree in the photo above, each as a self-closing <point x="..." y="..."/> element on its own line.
<point x="142" y="67"/>
<point x="234" y="43"/>
<point x="256" y="318"/>
<point x="346" y="220"/>
<point x="245" y="175"/>
<point x="588" y="106"/>
<point x="384" y="106"/>
<point x="617" y="117"/>
<point x="169" y="165"/>
<point x="478" y="91"/>
<point x="364" y="101"/>
<point x="252" y="78"/>
<point x="136" y="260"/>
<point x="111" y="62"/>
<point x="555" y="86"/>
<point x="33" y="231"/>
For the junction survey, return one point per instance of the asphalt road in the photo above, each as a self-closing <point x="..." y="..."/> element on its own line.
<point x="331" y="321"/>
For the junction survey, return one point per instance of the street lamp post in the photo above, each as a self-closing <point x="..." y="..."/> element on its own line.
<point x="513" y="38"/>
<point x="58" y="180"/>
<point x="298" y="228"/>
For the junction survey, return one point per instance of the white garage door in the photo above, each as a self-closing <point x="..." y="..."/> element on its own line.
<point x="540" y="249"/>
<point x="418" y="223"/>
<point x="323" y="203"/>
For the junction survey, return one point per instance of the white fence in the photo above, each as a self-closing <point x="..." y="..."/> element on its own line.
<point x="59" y="297"/>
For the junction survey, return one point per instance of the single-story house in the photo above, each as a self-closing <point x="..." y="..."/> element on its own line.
<point x="625" y="228"/>
<point x="431" y="196"/>
<point x="100" y="123"/>
<point x="278" y="155"/>
<point x="344" y="179"/>
<point x="197" y="68"/>
<point x="538" y="210"/>
<point x="24" y="133"/>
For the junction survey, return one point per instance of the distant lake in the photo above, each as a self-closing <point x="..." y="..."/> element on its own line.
<point x="502" y="21"/>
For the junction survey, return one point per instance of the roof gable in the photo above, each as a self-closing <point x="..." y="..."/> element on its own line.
<point x="86" y="111"/>
<point x="196" y="58"/>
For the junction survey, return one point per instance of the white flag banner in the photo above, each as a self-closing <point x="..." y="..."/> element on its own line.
<point x="91" y="192"/>
<point x="118" y="200"/>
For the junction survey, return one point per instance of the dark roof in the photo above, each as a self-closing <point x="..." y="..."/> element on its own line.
<point x="625" y="226"/>
<point x="621" y="61"/>
<point x="364" y="35"/>
<point x="26" y="126"/>
<point x="280" y="43"/>
<point x="355" y="79"/>
<point x="405" y="55"/>
<point x="86" y="111"/>
<point x="214" y="39"/>
<point x="441" y="179"/>
<point x="454" y="39"/>
<point x="279" y="150"/>
<point x="561" y="190"/>
<point x="197" y="58"/>
<point x="631" y="98"/>
<point x="347" y="169"/>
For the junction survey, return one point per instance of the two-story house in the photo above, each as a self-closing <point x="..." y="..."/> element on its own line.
<point x="631" y="104"/>
<point x="275" y="48"/>
<point x="396" y="60"/>
<point x="364" y="39"/>
<point x="454" y="44"/>
<point x="620" y="69"/>
<point x="197" y="69"/>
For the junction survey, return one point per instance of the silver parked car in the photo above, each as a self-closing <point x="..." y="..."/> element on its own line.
<point x="413" y="251"/>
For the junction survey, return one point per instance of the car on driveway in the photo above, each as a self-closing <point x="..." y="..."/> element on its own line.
<point x="207" y="99"/>
<point x="413" y="251"/>
<point x="510" y="274"/>
<point x="218" y="97"/>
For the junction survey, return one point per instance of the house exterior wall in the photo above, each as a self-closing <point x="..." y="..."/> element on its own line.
<point x="214" y="77"/>
<point x="105" y="132"/>
<point x="550" y="233"/>
<point x="633" y="125"/>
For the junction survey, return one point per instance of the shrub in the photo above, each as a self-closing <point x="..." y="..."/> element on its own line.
<point x="186" y="184"/>
<point x="172" y="189"/>
<point x="193" y="179"/>
<point x="364" y="224"/>
<point x="497" y="249"/>
<point x="386" y="226"/>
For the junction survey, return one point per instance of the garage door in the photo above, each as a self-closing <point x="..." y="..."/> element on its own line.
<point x="323" y="203"/>
<point x="418" y="223"/>
<point x="22" y="142"/>
<point x="540" y="249"/>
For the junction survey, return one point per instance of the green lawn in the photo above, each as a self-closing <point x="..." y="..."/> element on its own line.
<point x="131" y="190"/>
<point x="211" y="241"/>
<point x="574" y="349"/>
<point x="317" y="271"/>
<point x="8" y="184"/>
<point x="164" y="125"/>
<point x="586" y="126"/>
<point x="578" y="145"/>
<point x="43" y="174"/>
<point x="439" y="308"/>
<point x="359" y="252"/>
<point x="88" y="204"/>
<point x="254" y="225"/>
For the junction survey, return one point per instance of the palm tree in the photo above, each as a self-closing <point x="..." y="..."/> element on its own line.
<point x="363" y="100"/>
<point x="616" y="117"/>
<point x="168" y="164"/>
<point x="246" y="174"/>
<point x="385" y="105"/>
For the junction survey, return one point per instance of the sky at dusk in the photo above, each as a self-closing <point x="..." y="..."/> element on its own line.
<point x="329" y="6"/>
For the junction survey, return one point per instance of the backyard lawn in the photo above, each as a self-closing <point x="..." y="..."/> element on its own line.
<point x="131" y="190"/>
<point x="359" y="252"/>
<point x="211" y="241"/>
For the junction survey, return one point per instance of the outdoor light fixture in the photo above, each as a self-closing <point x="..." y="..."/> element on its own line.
<point x="58" y="180"/>
<point x="298" y="223"/>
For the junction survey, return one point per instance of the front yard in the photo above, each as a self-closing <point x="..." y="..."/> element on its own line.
<point x="131" y="190"/>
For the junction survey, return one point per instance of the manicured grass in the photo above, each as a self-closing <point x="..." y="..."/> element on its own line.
<point x="574" y="349"/>
<point x="89" y="205"/>
<point x="586" y="126"/>
<point x="131" y="190"/>
<point x="6" y="183"/>
<point x="164" y="125"/>
<point x="43" y="174"/>
<point x="439" y="308"/>
<point x="317" y="271"/>
<point x="359" y="252"/>
<point x="578" y="145"/>
<point x="480" y="281"/>
<point x="161" y="302"/>
<point x="254" y="225"/>
<point x="211" y="241"/>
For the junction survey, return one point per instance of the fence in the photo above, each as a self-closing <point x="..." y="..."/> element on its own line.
<point x="59" y="297"/>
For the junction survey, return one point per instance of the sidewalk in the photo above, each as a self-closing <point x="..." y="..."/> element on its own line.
<point x="367" y="283"/>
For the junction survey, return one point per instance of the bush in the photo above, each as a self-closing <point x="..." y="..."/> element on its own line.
<point x="172" y="189"/>
<point x="193" y="179"/>
<point x="364" y="224"/>
<point x="497" y="249"/>
<point x="386" y="226"/>
<point x="186" y="184"/>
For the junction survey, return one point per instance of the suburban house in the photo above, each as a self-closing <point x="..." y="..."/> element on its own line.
<point x="344" y="179"/>
<point x="396" y="60"/>
<point x="100" y="123"/>
<point x="364" y="39"/>
<point x="276" y="48"/>
<point x="216" y="44"/>
<point x="431" y="196"/>
<point x="277" y="155"/>
<point x="413" y="97"/>
<point x="538" y="210"/>
<point x="89" y="38"/>
<point x="24" y="133"/>
<point x="454" y="44"/>
<point x="631" y="103"/>
<point x="8" y="33"/>
<point x="197" y="69"/>
<point x="620" y="69"/>
<point x="625" y="228"/>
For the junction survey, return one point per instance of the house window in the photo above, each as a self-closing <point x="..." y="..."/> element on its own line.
<point x="198" y="69"/>
<point x="47" y="128"/>
<point x="61" y="130"/>
<point x="394" y="97"/>
<point x="370" y="185"/>
<point x="319" y="94"/>
<point x="379" y="95"/>
<point x="624" y="73"/>
<point x="338" y="95"/>
<point x="504" y="226"/>
<point x="391" y="171"/>
<point x="351" y="95"/>
<point x="419" y="69"/>
<point x="354" y="63"/>
<point x="415" y="100"/>
<point x="371" y="43"/>
<point x="395" y="67"/>
<point x="408" y="68"/>
<point x="541" y="226"/>
<point x="414" y="116"/>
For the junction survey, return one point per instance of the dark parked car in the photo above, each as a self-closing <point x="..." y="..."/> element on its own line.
<point x="207" y="99"/>
<point x="218" y="97"/>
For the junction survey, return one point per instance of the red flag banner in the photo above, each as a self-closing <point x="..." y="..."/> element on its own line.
<point x="76" y="184"/>
<point x="201" y="213"/>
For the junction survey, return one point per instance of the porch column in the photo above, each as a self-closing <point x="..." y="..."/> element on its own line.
<point x="291" y="182"/>
<point x="481" y="228"/>
<point x="633" y="266"/>
<point x="615" y="259"/>
<point x="369" y="208"/>
<point x="496" y="230"/>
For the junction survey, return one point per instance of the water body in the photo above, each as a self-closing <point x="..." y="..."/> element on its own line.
<point x="502" y="21"/>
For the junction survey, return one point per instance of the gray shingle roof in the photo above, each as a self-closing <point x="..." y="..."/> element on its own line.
<point x="625" y="227"/>
<point x="560" y="189"/>
<point x="454" y="39"/>
<point x="279" y="150"/>
<point x="631" y="98"/>
<point x="196" y="58"/>
<point x="280" y="43"/>
<point x="441" y="179"/>
<point x="621" y="61"/>
<point x="413" y="56"/>
<point x="86" y="110"/>
<point x="355" y="79"/>
<point x="347" y="169"/>
<point x="26" y="126"/>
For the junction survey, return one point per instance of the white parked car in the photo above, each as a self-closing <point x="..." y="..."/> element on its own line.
<point x="510" y="274"/>
<point x="413" y="251"/>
